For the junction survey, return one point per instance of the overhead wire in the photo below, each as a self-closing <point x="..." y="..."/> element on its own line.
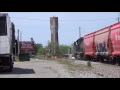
<point x="61" y="20"/>
<point x="96" y="28"/>
<point x="105" y="25"/>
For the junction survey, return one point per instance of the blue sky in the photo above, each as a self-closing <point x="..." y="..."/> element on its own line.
<point x="69" y="23"/>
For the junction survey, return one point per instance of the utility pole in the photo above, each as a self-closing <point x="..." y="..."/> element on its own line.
<point x="20" y="35"/>
<point x="18" y="42"/>
<point x="119" y="17"/>
<point x="79" y="32"/>
<point x="15" y="48"/>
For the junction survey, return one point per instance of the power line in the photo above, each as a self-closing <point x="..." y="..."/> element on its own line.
<point x="29" y="19"/>
<point x="89" y="20"/>
<point x="61" y="20"/>
<point x="97" y="28"/>
<point x="105" y="25"/>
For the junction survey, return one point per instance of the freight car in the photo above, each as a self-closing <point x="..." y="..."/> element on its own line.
<point x="89" y="48"/>
<point x="101" y="45"/>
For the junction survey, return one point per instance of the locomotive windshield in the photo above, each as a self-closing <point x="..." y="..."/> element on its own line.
<point x="3" y="26"/>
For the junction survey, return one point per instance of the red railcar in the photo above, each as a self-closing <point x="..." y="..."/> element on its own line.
<point x="115" y="42"/>
<point x="101" y="43"/>
<point x="89" y="48"/>
<point x="115" y="39"/>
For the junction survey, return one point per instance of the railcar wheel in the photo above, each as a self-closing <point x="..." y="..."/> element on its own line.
<point x="102" y="59"/>
<point x="118" y="61"/>
<point x="98" y="59"/>
<point x="113" y="61"/>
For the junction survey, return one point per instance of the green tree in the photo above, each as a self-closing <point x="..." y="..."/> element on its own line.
<point x="41" y="50"/>
<point x="63" y="49"/>
<point x="54" y="48"/>
<point x="37" y="48"/>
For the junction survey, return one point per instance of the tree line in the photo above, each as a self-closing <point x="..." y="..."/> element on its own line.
<point x="48" y="49"/>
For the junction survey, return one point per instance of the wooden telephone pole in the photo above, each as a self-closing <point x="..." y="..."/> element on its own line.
<point x="18" y="43"/>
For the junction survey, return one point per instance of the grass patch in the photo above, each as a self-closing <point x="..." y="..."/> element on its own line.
<point x="68" y="63"/>
<point x="41" y="57"/>
<point x="17" y="59"/>
<point x="74" y="67"/>
<point x="88" y="63"/>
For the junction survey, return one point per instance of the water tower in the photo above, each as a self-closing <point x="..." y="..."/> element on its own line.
<point x="54" y="34"/>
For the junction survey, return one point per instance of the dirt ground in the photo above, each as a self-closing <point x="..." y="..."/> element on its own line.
<point x="61" y="69"/>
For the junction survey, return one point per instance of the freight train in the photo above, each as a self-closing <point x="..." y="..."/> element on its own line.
<point x="101" y="45"/>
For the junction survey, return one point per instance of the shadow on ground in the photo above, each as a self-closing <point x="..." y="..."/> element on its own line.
<point x="19" y="71"/>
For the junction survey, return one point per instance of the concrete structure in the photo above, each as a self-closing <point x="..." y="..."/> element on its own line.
<point x="54" y="34"/>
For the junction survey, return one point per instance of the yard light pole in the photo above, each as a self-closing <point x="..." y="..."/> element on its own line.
<point x="79" y="32"/>
<point x="18" y="41"/>
<point x="119" y="17"/>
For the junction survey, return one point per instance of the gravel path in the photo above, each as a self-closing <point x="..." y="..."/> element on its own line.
<point x="98" y="70"/>
<point x="54" y="69"/>
<point x="36" y="69"/>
